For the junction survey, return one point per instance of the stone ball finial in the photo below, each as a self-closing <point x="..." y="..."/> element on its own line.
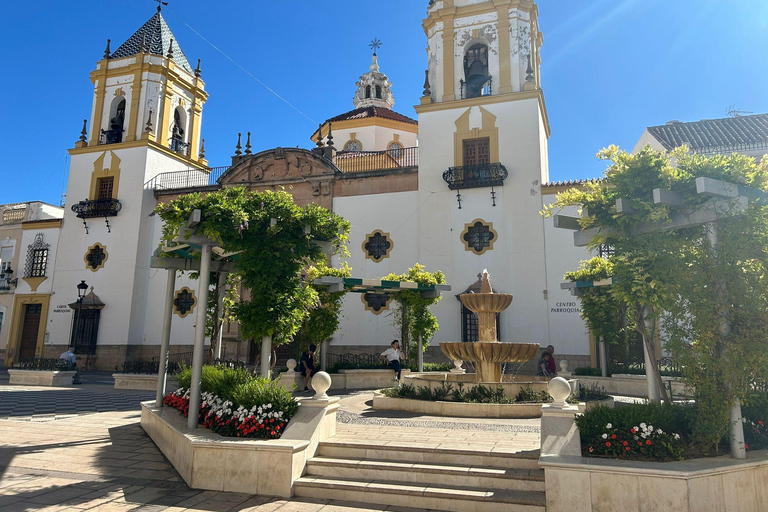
<point x="291" y="364"/>
<point x="564" y="365"/>
<point x="321" y="383"/>
<point x="560" y="390"/>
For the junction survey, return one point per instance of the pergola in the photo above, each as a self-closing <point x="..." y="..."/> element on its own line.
<point x="196" y="253"/>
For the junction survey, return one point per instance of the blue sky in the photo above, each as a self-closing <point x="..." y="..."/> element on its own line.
<point x="610" y="68"/>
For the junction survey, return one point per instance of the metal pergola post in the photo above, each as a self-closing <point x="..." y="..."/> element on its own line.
<point x="162" y="371"/>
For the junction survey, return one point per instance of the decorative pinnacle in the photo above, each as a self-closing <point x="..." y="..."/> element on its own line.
<point x="329" y="141"/>
<point x="202" y="150"/>
<point x="107" y="51"/>
<point x="248" y="145"/>
<point x="170" y="50"/>
<point x="143" y="48"/>
<point x="427" y="89"/>
<point x="529" y="71"/>
<point x="149" y="128"/>
<point x="238" y="147"/>
<point x="84" y="133"/>
<point x="375" y="45"/>
<point x="198" y="71"/>
<point x="320" y="137"/>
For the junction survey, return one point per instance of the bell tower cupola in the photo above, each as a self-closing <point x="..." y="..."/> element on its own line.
<point x="146" y="90"/>
<point x="374" y="88"/>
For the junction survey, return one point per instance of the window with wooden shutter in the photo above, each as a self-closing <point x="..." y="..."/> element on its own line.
<point x="477" y="151"/>
<point x="105" y="187"/>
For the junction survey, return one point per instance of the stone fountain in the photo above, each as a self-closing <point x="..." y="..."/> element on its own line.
<point x="488" y="353"/>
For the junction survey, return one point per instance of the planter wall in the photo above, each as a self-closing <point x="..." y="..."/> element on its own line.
<point x="41" y="377"/>
<point x="141" y="382"/>
<point x="208" y="461"/>
<point x="579" y="484"/>
<point x="347" y="379"/>
<point x="630" y="385"/>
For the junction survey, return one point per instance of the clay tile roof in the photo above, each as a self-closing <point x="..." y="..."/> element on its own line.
<point x="366" y="112"/>
<point x="157" y="37"/>
<point x="713" y="133"/>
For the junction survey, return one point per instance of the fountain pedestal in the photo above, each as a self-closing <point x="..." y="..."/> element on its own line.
<point x="488" y="353"/>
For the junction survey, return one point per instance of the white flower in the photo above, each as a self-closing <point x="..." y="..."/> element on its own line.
<point x="677" y="437"/>
<point x="643" y="425"/>
<point x="659" y="431"/>
<point x="609" y="425"/>
<point x="605" y="436"/>
<point x="643" y="435"/>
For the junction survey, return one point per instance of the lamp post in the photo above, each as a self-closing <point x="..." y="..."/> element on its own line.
<point x="8" y="275"/>
<point x="81" y="289"/>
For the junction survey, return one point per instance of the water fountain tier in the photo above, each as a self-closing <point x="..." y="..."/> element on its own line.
<point x="488" y="353"/>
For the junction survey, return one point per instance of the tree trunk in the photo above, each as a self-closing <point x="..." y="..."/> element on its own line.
<point x="647" y="331"/>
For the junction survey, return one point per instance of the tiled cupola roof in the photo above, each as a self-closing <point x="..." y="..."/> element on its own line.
<point x="368" y="112"/>
<point x="156" y="37"/>
<point x="713" y="133"/>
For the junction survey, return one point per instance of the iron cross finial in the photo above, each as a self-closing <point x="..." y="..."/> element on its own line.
<point x="160" y="4"/>
<point x="375" y="44"/>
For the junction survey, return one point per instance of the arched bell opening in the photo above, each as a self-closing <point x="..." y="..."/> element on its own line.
<point x="477" y="78"/>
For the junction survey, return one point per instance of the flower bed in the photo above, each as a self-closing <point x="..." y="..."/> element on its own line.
<point x="233" y="403"/>
<point x="475" y="395"/>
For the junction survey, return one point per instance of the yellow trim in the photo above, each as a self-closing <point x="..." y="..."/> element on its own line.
<point x="133" y="121"/>
<point x="466" y="230"/>
<point x="140" y="144"/>
<point x="194" y="133"/>
<point x="169" y="72"/>
<point x="41" y="225"/>
<point x="352" y="139"/>
<point x="475" y="9"/>
<point x="100" y="172"/>
<point x="489" y="100"/>
<point x="98" y="111"/>
<point x="464" y="132"/>
<point x="104" y="261"/>
<point x="368" y="237"/>
<point x="369" y="308"/>
<point x="17" y="318"/>
<point x="34" y="282"/>
<point x="505" y="66"/>
<point x="194" y="305"/>
<point x="162" y="135"/>
<point x="449" y="45"/>
<point x="368" y="121"/>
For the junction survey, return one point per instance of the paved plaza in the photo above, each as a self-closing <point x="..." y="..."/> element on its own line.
<point x="81" y="448"/>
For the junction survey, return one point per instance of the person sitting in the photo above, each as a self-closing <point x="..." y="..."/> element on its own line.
<point x="307" y="363"/>
<point x="543" y="368"/>
<point x="392" y="357"/>
<point x="552" y="363"/>
<point x="71" y="359"/>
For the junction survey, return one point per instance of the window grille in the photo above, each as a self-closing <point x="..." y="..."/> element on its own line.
<point x="37" y="258"/>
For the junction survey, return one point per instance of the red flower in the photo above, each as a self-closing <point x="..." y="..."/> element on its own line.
<point x="273" y="432"/>
<point x="639" y="443"/>
<point x="627" y="448"/>
<point x="625" y="443"/>
<point x="746" y="446"/>
<point x="613" y="436"/>
<point x="608" y="444"/>
<point x="760" y="423"/>
<point x="648" y="442"/>
<point x="633" y="431"/>
<point x="591" y="449"/>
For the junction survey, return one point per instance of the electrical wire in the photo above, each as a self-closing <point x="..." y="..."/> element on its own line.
<point x="233" y="61"/>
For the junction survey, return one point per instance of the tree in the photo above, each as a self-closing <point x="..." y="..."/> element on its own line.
<point x="412" y="314"/>
<point x="273" y="240"/>
<point x="713" y="302"/>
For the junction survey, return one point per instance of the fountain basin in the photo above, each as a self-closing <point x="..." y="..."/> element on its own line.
<point x="487" y="356"/>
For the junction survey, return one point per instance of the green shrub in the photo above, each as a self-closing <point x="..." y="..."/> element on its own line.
<point x="260" y="391"/>
<point x="623" y="432"/>
<point x="219" y="380"/>
<point x="755" y="413"/>
<point x="588" y="371"/>
<point x="592" y="393"/>
<point x="436" y="367"/>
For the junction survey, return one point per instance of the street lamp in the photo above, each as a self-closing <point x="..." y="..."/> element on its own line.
<point x="81" y="289"/>
<point x="8" y="275"/>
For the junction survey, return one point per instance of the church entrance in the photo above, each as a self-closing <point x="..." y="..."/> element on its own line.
<point x="29" y="331"/>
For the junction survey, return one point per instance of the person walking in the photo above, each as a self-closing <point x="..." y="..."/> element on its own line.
<point x="392" y="356"/>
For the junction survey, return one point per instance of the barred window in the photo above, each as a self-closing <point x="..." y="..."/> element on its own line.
<point x="605" y="251"/>
<point x="37" y="258"/>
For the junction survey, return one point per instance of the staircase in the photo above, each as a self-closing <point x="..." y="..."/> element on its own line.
<point x="456" y="480"/>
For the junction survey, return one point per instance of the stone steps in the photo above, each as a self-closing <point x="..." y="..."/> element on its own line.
<point x="432" y="497"/>
<point x="471" y="478"/>
<point x="424" y="473"/>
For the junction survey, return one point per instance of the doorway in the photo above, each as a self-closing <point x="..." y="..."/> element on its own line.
<point x="30" y="330"/>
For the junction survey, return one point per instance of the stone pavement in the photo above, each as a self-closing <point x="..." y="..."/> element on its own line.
<point x="81" y="448"/>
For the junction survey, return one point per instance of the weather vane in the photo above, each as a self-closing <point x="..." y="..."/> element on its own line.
<point x="375" y="45"/>
<point x="160" y="4"/>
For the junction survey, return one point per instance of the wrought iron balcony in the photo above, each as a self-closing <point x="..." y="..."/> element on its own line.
<point x="476" y="88"/>
<point x="475" y="176"/>
<point x="90" y="209"/>
<point x="111" y="136"/>
<point x="180" y="147"/>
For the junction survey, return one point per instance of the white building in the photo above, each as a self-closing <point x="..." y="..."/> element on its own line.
<point x="458" y="190"/>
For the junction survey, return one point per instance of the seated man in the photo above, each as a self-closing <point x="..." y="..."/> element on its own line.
<point x="71" y="359"/>
<point x="392" y="357"/>
<point x="543" y="369"/>
<point x="307" y="363"/>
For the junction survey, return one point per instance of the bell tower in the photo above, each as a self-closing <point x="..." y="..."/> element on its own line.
<point x="146" y="119"/>
<point x="483" y="156"/>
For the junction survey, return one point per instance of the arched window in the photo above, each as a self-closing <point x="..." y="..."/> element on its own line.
<point x="367" y="91"/>
<point x="116" y="120"/>
<point x="353" y="145"/>
<point x="477" y="79"/>
<point x="378" y="91"/>
<point x="178" y="143"/>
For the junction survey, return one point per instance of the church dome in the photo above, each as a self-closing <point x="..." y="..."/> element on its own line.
<point x="374" y="89"/>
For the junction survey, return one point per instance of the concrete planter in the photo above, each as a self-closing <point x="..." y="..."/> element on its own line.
<point x="630" y="385"/>
<point x="206" y="460"/>
<point x="588" y="406"/>
<point x="722" y="484"/>
<point x="457" y="409"/>
<point x="41" y="377"/>
<point x="347" y="379"/>
<point x="141" y="382"/>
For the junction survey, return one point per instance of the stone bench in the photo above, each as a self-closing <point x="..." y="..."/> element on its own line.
<point x="41" y="377"/>
<point x="144" y="382"/>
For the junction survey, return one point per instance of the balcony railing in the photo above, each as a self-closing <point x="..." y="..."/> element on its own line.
<point x="475" y="89"/>
<point x="475" y="176"/>
<point x="180" y="147"/>
<point x="362" y="161"/>
<point x="90" y="209"/>
<point x="189" y="178"/>
<point x="111" y="136"/>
